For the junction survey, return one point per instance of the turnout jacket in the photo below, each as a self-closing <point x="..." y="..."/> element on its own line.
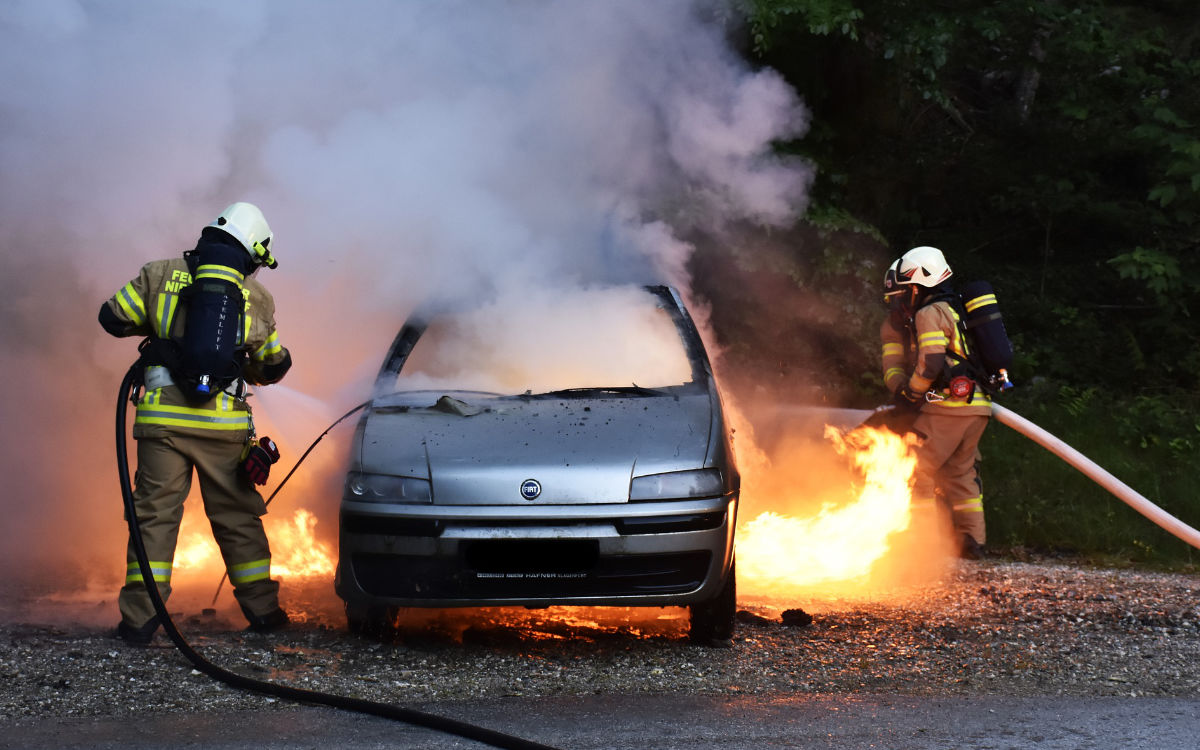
<point x="919" y="353"/>
<point x="149" y="306"/>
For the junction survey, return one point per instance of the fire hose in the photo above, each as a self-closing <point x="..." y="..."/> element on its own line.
<point x="1097" y="474"/>
<point x="1085" y="465"/>
<point x="384" y="710"/>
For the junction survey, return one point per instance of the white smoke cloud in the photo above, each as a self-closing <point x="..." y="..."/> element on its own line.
<point x="397" y="149"/>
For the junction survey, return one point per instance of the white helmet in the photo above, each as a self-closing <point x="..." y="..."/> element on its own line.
<point x="246" y="224"/>
<point x="923" y="265"/>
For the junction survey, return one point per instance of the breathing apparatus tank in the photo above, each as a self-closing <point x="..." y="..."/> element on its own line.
<point x="210" y="361"/>
<point x="986" y="330"/>
<point x="232" y="246"/>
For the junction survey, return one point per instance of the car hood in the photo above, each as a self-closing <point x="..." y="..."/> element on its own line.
<point x="579" y="450"/>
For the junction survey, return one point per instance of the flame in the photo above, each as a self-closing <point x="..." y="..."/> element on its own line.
<point x="779" y="554"/>
<point x="558" y="623"/>
<point x="296" y="552"/>
<point x="196" y="551"/>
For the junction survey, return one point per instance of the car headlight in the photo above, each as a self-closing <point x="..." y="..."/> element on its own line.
<point x="677" y="485"/>
<point x="384" y="488"/>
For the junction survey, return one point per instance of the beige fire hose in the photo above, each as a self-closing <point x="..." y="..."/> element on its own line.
<point x="1097" y="474"/>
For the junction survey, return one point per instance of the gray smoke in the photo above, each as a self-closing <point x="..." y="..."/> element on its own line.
<point x="399" y="150"/>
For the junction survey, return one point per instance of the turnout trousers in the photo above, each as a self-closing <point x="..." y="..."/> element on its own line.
<point x="948" y="469"/>
<point x="234" y="509"/>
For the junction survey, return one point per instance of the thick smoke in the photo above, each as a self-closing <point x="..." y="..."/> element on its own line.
<point x="399" y="150"/>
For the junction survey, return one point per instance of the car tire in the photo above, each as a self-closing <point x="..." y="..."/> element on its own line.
<point x="712" y="620"/>
<point x="370" y="620"/>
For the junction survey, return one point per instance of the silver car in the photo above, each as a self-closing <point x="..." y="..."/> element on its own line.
<point x="554" y="452"/>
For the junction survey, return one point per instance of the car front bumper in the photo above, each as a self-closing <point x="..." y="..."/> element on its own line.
<point x="625" y="554"/>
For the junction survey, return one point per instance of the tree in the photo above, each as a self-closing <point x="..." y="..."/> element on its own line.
<point x="1049" y="146"/>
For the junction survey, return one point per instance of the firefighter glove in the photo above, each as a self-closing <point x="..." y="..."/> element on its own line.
<point x="258" y="459"/>
<point x="906" y="400"/>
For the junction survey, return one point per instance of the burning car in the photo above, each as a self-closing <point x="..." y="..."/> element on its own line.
<point x="553" y="452"/>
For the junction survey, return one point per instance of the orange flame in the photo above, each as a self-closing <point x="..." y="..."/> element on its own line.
<point x="779" y="554"/>
<point x="296" y="550"/>
<point x="297" y="553"/>
<point x="196" y="551"/>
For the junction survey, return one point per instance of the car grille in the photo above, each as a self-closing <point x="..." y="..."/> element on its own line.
<point x="531" y="569"/>
<point x="355" y="523"/>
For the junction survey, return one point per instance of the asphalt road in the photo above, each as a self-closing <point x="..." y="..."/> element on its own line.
<point x="671" y="722"/>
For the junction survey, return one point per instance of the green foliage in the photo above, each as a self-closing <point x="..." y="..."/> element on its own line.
<point x="1156" y="269"/>
<point x="819" y="17"/>
<point x="1051" y="148"/>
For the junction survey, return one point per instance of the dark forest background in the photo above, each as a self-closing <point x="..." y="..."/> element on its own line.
<point x="1051" y="148"/>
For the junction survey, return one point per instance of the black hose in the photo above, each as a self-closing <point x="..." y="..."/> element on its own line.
<point x="385" y="710"/>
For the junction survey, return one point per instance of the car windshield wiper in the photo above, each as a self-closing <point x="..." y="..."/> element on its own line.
<point x="442" y="391"/>
<point x="624" y="390"/>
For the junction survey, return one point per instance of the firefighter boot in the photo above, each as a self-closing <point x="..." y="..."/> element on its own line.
<point x="968" y="548"/>
<point x="274" y="620"/>
<point x="137" y="636"/>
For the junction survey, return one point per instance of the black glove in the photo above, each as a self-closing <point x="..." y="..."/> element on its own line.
<point x="899" y="415"/>
<point x="888" y="417"/>
<point x="258" y="459"/>
<point x="906" y="400"/>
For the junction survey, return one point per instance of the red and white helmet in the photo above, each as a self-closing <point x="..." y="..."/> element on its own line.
<point x="924" y="266"/>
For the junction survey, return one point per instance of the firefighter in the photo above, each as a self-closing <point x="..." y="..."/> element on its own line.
<point x="925" y="355"/>
<point x="178" y="432"/>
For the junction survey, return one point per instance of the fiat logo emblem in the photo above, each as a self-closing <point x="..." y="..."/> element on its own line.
<point x="530" y="489"/>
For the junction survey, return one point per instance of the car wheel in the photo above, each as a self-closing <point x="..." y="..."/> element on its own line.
<point x="712" y="620"/>
<point x="370" y="620"/>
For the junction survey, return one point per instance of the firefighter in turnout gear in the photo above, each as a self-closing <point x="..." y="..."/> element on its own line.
<point x="925" y="355"/>
<point x="192" y="413"/>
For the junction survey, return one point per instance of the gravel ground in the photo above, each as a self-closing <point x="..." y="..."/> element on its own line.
<point x="990" y="627"/>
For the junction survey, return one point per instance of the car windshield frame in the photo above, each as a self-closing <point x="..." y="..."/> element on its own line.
<point x="669" y="300"/>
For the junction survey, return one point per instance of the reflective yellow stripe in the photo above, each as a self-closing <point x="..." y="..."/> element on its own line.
<point x="893" y="372"/>
<point x="933" y="338"/>
<point x="970" y="505"/>
<point x="131" y="302"/>
<point x="958" y="346"/>
<point x="225" y="273"/>
<point x="256" y="570"/>
<point x="978" y="302"/>
<point x="893" y="350"/>
<point x="160" y="570"/>
<point x="165" y="314"/>
<point x="271" y="346"/>
<point x="186" y="416"/>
